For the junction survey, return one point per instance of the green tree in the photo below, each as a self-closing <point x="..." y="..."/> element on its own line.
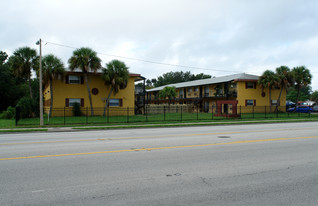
<point x="268" y="80"/>
<point x="177" y="77"/>
<point x="85" y="59"/>
<point x="115" y="75"/>
<point x="3" y="57"/>
<point x="314" y="96"/>
<point x="168" y="92"/>
<point x="23" y="61"/>
<point x="12" y="88"/>
<point x="53" y="68"/>
<point x="285" y="80"/>
<point x="302" y="78"/>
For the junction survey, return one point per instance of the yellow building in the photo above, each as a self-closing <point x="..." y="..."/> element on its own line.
<point x="232" y="94"/>
<point x="72" y="89"/>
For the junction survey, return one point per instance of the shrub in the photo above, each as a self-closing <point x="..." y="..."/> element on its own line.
<point x="27" y="107"/>
<point x="8" y="114"/>
<point x="76" y="110"/>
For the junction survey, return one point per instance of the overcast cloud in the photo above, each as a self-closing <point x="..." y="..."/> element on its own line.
<point x="223" y="37"/>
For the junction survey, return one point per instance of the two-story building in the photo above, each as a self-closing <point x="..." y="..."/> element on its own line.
<point x="225" y="93"/>
<point x="72" y="89"/>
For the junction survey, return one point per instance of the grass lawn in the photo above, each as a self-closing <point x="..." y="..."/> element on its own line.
<point x="153" y="118"/>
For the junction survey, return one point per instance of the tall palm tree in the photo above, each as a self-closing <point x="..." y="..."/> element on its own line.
<point x="302" y="78"/>
<point x="52" y="68"/>
<point x="285" y="80"/>
<point x="22" y="62"/>
<point x="268" y="80"/>
<point x="85" y="59"/>
<point x="115" y="75"/>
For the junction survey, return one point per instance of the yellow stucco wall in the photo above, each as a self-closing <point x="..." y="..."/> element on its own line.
<point x="61" y="91"/>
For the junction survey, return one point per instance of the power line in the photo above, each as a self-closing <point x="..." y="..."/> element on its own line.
<point x="147" y="61"/>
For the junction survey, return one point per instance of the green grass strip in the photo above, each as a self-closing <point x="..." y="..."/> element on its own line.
<point x="22" y="130"/>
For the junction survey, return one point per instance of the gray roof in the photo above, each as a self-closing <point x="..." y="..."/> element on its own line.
<point x="215" y="80"/>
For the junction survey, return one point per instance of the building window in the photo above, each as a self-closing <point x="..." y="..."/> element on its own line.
<point x="196" y="89"/>
<point x="74" y="79"/>
<point x="189" y="89"/>
<point x="250" y="85"/>
<point x="181" y="93"/>
<point x="233" y="85"/>
<point x="115" y="102"/>
<point x="250" y="102"/>
<point x="72" y="102"/>
<point x="274" y="103"/>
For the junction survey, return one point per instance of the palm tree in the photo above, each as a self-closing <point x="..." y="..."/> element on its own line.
<point x="169" y="92"/>
<point x="116" y="75"/>
<point x="268" y="80"/>
<point x="302" y="78"/>
<point x="85" y="59"/>
<point x="52" y="68"/>
<point x="22" y="62"/>
<point x="285" y="80"/>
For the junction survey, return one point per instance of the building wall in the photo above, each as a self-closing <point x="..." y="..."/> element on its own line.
<point x="62" y="91"/>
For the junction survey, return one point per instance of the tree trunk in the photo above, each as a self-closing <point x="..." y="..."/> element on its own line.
<point x="89" y="94"/>
<point x="278" y="100"/>
<point x="270" y="100"/>
<point x="51" y="104"/>
<point x="107" y="100"/>
<point x="30" y="88"/>
<point x="297" y="97"/>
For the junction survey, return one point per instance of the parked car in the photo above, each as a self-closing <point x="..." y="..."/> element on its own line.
<point x="304" y="109"/>
<point x="315" y="108"/>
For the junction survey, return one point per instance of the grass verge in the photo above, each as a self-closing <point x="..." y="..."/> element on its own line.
<point x="22" y="130"/>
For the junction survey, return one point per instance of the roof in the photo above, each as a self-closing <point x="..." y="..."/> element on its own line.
<point x="215" y="80"/>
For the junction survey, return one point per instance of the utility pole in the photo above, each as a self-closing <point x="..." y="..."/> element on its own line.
<point x="40" y="82"/>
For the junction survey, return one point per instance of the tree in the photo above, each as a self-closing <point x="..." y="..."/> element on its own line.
<point x="115" y="75"/>
<point x="268" y="80"/>
<point x="85" y="59"/>
<point x="314" y="96"/>
<point x="285" y="80"/>
<point x="168" y="92"/>
<point x="12" y="88"/>
<point x="23" y="61"/>
<point x="304" y="94"/>
<point x="52" y="68"/>
<point x="3" y="57"/>
<point x="302" y="78"/>
<point x="177" y="77"/>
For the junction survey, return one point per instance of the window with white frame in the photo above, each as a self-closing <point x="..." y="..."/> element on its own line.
<point x="250" y="102"/>
<point x="74" y="79"/>
<point x="274" y="103"/>
<point x="114" y="103"/>
<point x="72" y="102"/>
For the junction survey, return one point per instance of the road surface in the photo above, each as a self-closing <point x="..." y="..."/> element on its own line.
<point x="261" y="164"/>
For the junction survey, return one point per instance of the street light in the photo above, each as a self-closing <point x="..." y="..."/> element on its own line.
<point x="40" y="82"/>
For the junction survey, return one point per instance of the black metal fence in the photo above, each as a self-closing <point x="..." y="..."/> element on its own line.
<point x="157" y="113"/>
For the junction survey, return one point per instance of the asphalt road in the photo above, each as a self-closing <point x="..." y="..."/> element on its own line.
<point x="261" y="164"/>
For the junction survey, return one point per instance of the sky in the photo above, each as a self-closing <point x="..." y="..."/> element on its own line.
<point x="202" y="36"/>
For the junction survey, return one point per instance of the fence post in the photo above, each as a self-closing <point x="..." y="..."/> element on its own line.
<point x="265" y="112"/>
<point x="107" y="114"/>
<point x="240" y="111"/>
<point x="17" y="115"/>
<point x="197" y="112"/>
<point x="64" y="115"/>
<point x="181" y="112"/>
<point x="86" y="115"/>
<point x="212" y="111"/>
<point x="127" y="114"/>
<point x="253" y="111"/>
<point x="277" y="112"/>
<point x="164" y="113"/>
<point x="146" y="113"/>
